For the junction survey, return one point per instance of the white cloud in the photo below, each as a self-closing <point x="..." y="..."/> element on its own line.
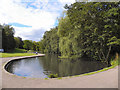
<point x="28" y="33"/>
<point x="42" y="18"/>
<point x="16" y="13"/>
<point x="67" y="1"/>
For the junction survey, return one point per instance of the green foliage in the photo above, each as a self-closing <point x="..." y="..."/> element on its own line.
<point x="8" y="42"/>
<point x="114" y="41"/>
<point x="116" y="60"/>
<point x="90" y="29"/>
<point x="19" y="42"/>
<point x="50" y="42"/>
<point x="17" y="50"/>
<point x="31" y="45"/>
<point x="41" y="46"/>
<point x="28" y="44"/>
<point x="53" y="76"/>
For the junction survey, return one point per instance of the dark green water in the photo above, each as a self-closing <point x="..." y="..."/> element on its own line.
<point x="41" y="67"/>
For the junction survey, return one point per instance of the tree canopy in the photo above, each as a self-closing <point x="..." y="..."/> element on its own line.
<point x="8" y="42"/>
<point x="19" y="42"/>
<point x="89" y="28"/>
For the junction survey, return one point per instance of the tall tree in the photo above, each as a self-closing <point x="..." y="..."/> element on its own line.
<point x="8" y="42"/>
<point x="19" y="42"/>
<point x="28" y="45"/>
<point x="51" y="41"/>
<point x="90" y="29"/>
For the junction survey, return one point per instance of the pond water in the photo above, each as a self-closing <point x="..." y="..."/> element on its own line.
<point x="41" y="67"/>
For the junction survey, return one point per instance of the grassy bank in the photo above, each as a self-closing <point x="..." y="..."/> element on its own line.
<point x="16" y="53"/>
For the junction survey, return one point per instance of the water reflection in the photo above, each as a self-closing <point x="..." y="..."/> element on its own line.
<point x="41" y="67"/>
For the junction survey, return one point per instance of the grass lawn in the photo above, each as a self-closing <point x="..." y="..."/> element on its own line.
<point x="16" y="53"/>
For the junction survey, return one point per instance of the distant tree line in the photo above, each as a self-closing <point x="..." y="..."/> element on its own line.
<point x="91" y="29"/>
<point x="9" y="42"/>
<point x="31" y="45"/>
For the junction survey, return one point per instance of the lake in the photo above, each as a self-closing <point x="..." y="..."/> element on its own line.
<point x="41" y="67"/>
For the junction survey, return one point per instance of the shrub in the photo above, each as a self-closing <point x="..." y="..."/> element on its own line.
<point x="53" y="76"/>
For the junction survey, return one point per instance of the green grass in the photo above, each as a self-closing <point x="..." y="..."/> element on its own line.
<point x="59" y="78"/>
<point x="16" y="53"/>
<point x="97" y="71"/>
<point x="46" y="78"/>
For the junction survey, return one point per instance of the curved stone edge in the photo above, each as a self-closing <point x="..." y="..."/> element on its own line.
<point x="25" y="57"/>
<point x="18" y="58"/>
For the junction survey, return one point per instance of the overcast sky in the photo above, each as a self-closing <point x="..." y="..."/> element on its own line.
<point x="31" y="18"/>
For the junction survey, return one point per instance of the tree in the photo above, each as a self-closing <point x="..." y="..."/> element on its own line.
<point x="8" y="42"/>
<point x="92" y="20"/>
<point x="88" y="29"/>
<point x="41" y="46"/>
<point x="35" y="46"/>
<point x="50" y="42"/>
<point x="28" y="45"/>
<point x="19" y="42"/>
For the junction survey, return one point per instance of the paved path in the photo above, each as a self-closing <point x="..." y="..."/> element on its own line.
<point x="105" y="79"/>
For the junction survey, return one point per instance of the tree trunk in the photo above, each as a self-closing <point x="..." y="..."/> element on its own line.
<point x="108" y="60"/>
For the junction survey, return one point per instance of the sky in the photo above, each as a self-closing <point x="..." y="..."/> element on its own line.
<point x="31" y="18"/>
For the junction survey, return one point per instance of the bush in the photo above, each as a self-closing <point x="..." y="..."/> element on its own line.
<point x="53" y="76"/>
<point x="116" y="61"/>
